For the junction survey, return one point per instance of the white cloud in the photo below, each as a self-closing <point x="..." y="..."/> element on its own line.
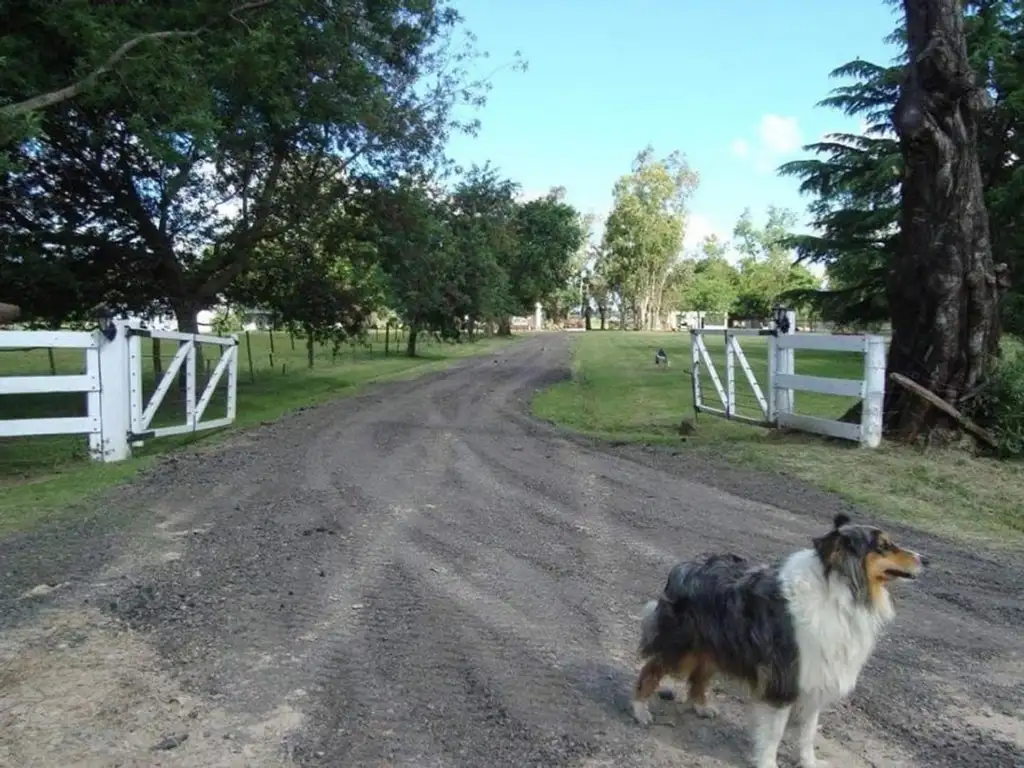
<point x="699" y="226"/>
<point x="779" y="135"/>
<point x="741" y="147"/>
<point x="776" y="137"/>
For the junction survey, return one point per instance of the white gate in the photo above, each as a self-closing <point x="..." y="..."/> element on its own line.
<point x="142" y="412"/>
<point x="727" y="393"/>
<point x="116" y="415"/>
<point x="777" y="406"/>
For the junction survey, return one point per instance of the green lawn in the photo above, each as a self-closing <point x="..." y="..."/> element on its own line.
<point x="617" y="393"/>
<point x="42" y="477"/>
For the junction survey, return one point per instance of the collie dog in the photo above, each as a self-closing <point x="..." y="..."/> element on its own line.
<point x="797" y="633"/>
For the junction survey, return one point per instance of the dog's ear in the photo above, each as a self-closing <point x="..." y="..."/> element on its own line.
<point x="829" y="548"/>
<point x="839" y="521"/>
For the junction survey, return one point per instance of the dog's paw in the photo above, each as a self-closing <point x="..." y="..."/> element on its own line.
<point x="704" y="711"/>
<point x="641" y="713"/>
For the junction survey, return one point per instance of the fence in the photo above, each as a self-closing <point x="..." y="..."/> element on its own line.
<point x="118" y="415"/>
<point x="777" y="406"/>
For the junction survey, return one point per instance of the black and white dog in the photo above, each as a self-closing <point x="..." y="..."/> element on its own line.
<point x="660" y="358"/>
<point x="797" y="633"/>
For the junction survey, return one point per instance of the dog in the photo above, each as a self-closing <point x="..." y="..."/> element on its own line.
<point x="797" y="633"/>
<point x="660" y="358"/>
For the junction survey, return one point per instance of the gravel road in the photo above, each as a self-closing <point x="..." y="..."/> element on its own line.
<point x="424" y="576"/>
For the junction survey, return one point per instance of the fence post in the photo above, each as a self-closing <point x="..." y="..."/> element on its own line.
<point x="698" y="396"/>
<point x="874" y="392"/>
<point x="730" y="376"/>
<point x="112" y="365"/>
<point x="783" y="362"/>
<point x="135" y="397"/>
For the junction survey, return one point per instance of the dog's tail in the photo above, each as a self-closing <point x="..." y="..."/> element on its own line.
<point x="648" y="627"/>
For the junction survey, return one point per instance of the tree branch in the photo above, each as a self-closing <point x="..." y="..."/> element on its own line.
<point x="44" y="100"/>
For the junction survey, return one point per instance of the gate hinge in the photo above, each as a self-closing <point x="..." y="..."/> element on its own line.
<point x="134" y="437"/>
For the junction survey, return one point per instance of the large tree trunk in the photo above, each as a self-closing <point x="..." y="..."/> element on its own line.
<point x="186" y="312"/>
<point x="9" y="313"/>
<point x="505" y="326"/>
<point x="410" y="343"/>
<point x="943" y="286"/>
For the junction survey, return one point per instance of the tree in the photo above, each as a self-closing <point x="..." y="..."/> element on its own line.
<point x="856" y="178"/>
<point x="598" y="286"/>
<point x="483" y="219"/>
<point x="410" y="227"/>
<point x="91" y="19"/>
<point x="316" y="273"/>
<point x="943" y="286"/>
<point x="715" y="281"/>
<point x="160" y="183"/>
<point x="644" y="232"/>
<point x="767" y="271"/>
<point x="856" y="184"/>
<point x="550" y="252"/>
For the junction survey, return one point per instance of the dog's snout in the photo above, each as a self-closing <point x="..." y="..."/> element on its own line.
<point x="923" y="560"/>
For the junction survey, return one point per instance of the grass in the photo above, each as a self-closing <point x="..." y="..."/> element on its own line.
<point x="46" y="478"/>
<point x="617" y="393"/>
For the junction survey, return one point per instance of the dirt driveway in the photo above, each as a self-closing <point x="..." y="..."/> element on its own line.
<point x="422" y="576"/>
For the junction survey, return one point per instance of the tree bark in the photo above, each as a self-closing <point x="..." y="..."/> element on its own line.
<point x="9" y="313"/>
<point x="943" y="286"/>
<point x="410" y="344"/>
<point x="505" y="326"/>
<point x="310" y="346"/>
<point x="186" y="312"/>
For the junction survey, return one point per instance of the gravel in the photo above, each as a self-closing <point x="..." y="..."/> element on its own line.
<point x="425" y="576"/>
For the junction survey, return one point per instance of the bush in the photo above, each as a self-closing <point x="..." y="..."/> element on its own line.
<point x="999" y="406"/>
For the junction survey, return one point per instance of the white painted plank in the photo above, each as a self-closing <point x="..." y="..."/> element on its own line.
<point x="198" y="338"/>
<point x="83" y="425"/>
<point x="214" y="423"/>
<point x="821" y="342"/>
<point x="36" y="385"/>
<point x="50" y="339"/>
<point x="174" y="429"/>
<point x="820" y="384"/>
<point x="211" y="387"/>
<point x="746" y="332"/>
<point x="161" y="390"/>
<point x="751" y="379"/>
<point x="709" y="409"/>
<point x="818" y="426"/>
<point x="710" y="366"/>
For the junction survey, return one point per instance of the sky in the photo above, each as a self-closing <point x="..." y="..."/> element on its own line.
<point x="732" y="84"/>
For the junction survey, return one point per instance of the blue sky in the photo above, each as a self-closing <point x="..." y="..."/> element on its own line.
<point x="731" y="83"/>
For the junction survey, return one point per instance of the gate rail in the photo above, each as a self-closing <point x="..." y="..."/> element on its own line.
<point x="777" y="408"/>
<point x="116" y="416"/>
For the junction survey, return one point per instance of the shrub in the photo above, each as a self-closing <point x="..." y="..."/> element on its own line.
<point x="999" y="405"/>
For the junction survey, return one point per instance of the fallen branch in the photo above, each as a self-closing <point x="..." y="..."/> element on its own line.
<point x="44" y="100"/>
<point x="930" y="397"/>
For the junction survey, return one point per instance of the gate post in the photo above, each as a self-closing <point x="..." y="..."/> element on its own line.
<point x="874" y="392"/>
<point x="782" y="361"/>
<point x="113" y="370"/>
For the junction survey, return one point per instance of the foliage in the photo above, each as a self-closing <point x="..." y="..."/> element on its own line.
<point x="157" y="184"/>
<point x="1000" y="405"/>
<point x="644" y="232"/>
<point x="411" y="230"/>
<point x="767" y="274"/>
<point x="715" y="283"/>
<point x="855" y="179"/>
